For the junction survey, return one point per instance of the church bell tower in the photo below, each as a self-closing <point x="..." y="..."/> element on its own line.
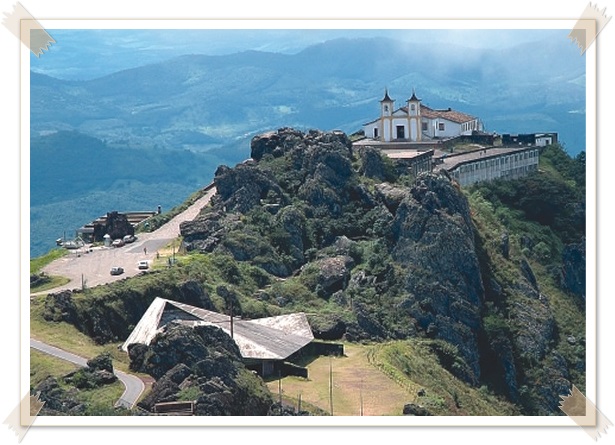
<point x="414" y="118"/>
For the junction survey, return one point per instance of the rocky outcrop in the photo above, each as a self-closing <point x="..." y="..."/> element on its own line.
<point x="274" y="143"/>
<point x="192" y="293"/>
<point x="372" y="164"/>
<point x="327" y="327"/>
<point x="534" y="326"/>
<point x="101" y="362"/>
<point x="412" y="409"/>
<point x="58" y="401"/>
<point x="242" y="188"/>
<point x="63" y="399"/>
<point x="59" y="306"/>
<point x="284" y="140"/>
<point x="328" y="275"/>
<point x="207" y="360"/>
<point x="292" y="221"/>
<point x="391" y="196"/>
<point x="573" y="269"/>
<point x="434" y="240"/>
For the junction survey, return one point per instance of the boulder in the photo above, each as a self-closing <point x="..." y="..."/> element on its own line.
<point x="412" y="409"/>
<point x="391" y="196"/>
<point x="193" y="293"/>
<point x="328" y="275"/>
<point x="101" y="362"/>
<point x="372" y="164"/>
<point x="327" y="327"/>
<point x="59" y="306"/>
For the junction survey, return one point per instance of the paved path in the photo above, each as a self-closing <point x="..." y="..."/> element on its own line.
<point x="133" y="385"/>
<point x="92" y="268"/>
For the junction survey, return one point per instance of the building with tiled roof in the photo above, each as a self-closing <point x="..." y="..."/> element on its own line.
<point x="416" y="122"/>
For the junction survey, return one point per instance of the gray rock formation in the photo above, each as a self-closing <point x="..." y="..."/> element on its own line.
<point x="573" y="269"/>
<point x="372" y="164"/>
<point x="207" y="359"/>
<point x="434" y="240"/>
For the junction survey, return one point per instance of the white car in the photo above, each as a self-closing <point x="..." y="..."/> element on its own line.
<point x="143" y="264"/>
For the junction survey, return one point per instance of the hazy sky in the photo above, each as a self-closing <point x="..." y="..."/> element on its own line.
<point x="84" y="54"/>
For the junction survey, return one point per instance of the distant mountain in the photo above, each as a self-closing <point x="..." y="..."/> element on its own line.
<point x="200" y="102"/>
<point x="213" y="105"/>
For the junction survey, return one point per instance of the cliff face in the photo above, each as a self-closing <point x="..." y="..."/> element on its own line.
<point x="433" y="238"/>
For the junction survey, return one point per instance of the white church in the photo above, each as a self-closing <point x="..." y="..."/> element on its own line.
<point x="416" y="122"/>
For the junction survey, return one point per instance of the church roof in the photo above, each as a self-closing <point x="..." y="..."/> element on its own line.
<point x="448" y="114"/>
<point x="272" y="338"/>
<point x="386" y="97"/>
<point x="414" y="98"/>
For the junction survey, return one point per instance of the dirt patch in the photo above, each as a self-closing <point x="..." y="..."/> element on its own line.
<point x="356" y="385"/>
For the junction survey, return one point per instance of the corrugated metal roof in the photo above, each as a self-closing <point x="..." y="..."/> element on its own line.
<point x="272" y="338"/>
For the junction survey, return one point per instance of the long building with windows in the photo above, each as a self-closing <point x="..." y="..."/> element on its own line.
<point x="488" y="164"/>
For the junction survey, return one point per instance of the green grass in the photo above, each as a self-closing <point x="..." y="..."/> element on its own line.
<point x="102" y="398"/>
<point x="36" y="264"/>
<point x="99" y="401"/>
<point x="67" y="337"/>
<point x="54" y="281"/>
<point x="412" y="365"/>
<point x="43" y="365"/>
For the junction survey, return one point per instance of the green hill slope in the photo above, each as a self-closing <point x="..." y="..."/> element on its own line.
<point x="476" y="282"/>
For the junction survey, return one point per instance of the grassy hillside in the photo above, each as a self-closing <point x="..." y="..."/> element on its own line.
<point x="467" y="294"/>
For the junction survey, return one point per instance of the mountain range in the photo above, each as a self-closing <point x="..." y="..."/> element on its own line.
<point x="151" y="135"/>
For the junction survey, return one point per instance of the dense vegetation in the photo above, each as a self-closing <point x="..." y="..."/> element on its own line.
<point x="483" y="276"/>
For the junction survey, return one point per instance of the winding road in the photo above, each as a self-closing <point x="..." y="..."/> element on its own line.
<point x="133" y="385"/>
<point x="91" y="267"/>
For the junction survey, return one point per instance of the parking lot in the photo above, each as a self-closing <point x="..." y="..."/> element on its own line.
<point x="91" y="266"/>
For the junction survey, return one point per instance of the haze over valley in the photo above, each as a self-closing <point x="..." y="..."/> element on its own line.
<point x="151" y="135"/>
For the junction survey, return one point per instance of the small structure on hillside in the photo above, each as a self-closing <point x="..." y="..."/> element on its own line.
<point x="264" y="343"/>
<point x="115" y="224"/>
<point x="538" y="139"/>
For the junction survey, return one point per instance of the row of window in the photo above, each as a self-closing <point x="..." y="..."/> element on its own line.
<point x="498" y="161"/>
<point x="512" y="173"/>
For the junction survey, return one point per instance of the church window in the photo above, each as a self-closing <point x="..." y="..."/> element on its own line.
<point x="441" y="126"/>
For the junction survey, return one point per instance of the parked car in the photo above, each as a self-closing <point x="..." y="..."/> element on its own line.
<point x="117" y="270"/>
<point x="117" y="243"/>
<point x="129" y="239"/>
<point x="143" y="264"/>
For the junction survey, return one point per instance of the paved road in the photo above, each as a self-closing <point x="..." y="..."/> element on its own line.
<point x="93" y="267"/>
<point x="133" y="385"/>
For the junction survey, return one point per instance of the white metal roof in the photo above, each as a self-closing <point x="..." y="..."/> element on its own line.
<point x="271" y="338"/>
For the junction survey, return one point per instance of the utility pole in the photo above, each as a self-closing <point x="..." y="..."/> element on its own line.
<point x="361" y="397"/>
<point x="330" y="385"/>
<point x="280" y="388"/>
